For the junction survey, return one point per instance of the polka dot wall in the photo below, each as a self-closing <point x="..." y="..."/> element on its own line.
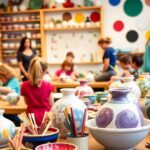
<point x="128" y="23"/>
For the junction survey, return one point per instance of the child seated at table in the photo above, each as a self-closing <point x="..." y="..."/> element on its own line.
<point x="137" y="62"/>
<point x="9" y="83"/>
<point x="37" y="93"/>
<point x="70" y="58"/>
<point x="8" y="80"/>
<point x="66" y="70"/>
<point x="125" y="64"/>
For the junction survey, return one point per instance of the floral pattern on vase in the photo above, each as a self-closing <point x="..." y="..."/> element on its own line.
<point x="7" y="128"/>
<point x="119" y="112"/>
<point x="83" y="89"/>
<point x="68" y="100"/>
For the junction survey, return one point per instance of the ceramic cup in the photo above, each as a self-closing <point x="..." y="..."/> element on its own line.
<point x="101" y="95"/>
<point x="80" y="141"/>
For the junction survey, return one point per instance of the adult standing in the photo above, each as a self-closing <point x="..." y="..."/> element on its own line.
<point x="24" y="56"/>
<point x="109" y="60"/>
<point x="146" y="64"/>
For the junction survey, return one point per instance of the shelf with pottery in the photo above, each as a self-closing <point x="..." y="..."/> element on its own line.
<point x="14" y="26"/>
<point x="16" y="48"/>
<point x="12" y="23"/>
<point x="19" y="12"/>
<point x="80" y="63"/>
<point x="23" y="21"/>
<point x="68" y="20"/>
<point x="16" y="39"/>
<point x="82" y="8"/>
<point x="73" y="28"/>
<point x="19" y="30"/>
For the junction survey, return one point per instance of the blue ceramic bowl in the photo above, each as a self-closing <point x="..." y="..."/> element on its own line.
<point x="32" y="141"/>
<point x="91" y="98"/>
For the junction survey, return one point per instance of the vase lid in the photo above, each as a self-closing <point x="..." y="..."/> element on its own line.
<point x="68" y="90"/>
<point x="119" y="94"/>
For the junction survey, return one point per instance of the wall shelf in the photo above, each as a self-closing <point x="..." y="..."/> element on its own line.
<point x="40" y="16"/>
<point x="22" y="21"/>
<point x="19" y="30"/>
<point x="82" y="8"/>
<point x="73" y="28"/>
<point x="16" y="39"/>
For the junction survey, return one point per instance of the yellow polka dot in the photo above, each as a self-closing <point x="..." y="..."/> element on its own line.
<point x="5" y="133"/>
<point x="147" y="35"/>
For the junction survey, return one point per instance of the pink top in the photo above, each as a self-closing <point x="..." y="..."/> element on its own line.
<point x="60" y="71"/>
<point x="37" y="99"/>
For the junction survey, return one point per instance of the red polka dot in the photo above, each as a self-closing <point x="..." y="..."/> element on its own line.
<point x="118" y="25"/>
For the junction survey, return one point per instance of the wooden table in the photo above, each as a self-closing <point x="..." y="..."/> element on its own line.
<point x="13" y="109"/>
<point x="94" y="145"/>
<point x="95" y="85"/>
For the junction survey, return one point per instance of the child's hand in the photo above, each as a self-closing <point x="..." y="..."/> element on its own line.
<point x="127" y="73"/>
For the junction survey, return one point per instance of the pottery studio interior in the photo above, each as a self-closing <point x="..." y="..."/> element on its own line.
<point x="74" y="74"/>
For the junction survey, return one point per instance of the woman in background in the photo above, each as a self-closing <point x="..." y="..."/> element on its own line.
<point x="109" y="60"/>
<point x="24" y="57"/>
<point x="37" y="93"/>
<point x="146" y="64"/>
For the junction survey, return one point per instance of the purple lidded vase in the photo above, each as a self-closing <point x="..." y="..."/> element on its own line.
<point x="119" y="112"/>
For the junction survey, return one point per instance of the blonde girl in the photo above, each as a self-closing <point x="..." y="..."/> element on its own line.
<point x="37" y="93"/>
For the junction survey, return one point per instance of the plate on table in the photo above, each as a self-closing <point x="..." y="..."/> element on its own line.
<point x="95" y="16"/>
<point x="35" y="4"/>
<point x="79" y="17"/>
<point x="66" y="16"/>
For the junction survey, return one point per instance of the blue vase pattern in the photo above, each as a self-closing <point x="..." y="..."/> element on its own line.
<point x="7" y="128"/>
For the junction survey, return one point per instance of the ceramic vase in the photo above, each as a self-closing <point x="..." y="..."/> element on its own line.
<point x="144" y="84"/>
<point x="68" y="4"/>
<point x="68" y="100"/>
<point x="88" y="3"/>
<point x="12" y="98"/>
<point x="147" y="106"/>
<point x="119" y="112"/>
<point x="83" y="89"/>
<point x="132" y="85"/>
<point x="7" y="128"/>
<point x="116" y="82"/>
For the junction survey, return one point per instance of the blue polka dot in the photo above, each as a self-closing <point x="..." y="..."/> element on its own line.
<point x="114" y="2"/>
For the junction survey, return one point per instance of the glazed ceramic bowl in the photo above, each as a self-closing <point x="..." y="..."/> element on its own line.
<point x="118" y="139"/>
<point x="100" y="95"/>
<point x="57" y="146"/>
<point x="12" y="98"/>
<point x="31" y="141"/>
<point x="91" y="98"/>
<point x="20" y="149"/>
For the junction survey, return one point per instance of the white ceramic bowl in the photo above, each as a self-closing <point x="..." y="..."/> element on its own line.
<point x="120" y="139"/>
